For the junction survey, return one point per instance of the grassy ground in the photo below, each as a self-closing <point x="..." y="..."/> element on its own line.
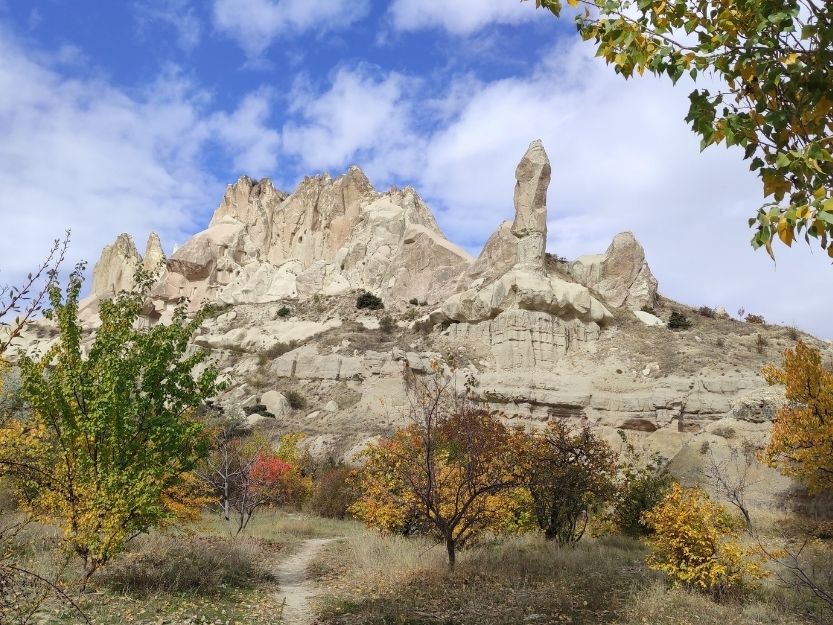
<point x="199" y="574"/>
<point x="377" y="580"/>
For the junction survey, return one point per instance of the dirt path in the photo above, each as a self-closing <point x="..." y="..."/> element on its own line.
<point x="295" y="588"/>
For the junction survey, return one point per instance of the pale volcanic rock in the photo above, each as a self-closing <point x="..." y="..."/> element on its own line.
<point x="498" y="256"/>
<point x="532" y="178"/>
<point x="621" y="276"/>
<point x="154" y="258"/>
<point x="116" y="268"/>
<point x="560" y="306"/>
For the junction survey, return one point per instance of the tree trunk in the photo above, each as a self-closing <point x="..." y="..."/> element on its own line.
<point x="451" y="548"/>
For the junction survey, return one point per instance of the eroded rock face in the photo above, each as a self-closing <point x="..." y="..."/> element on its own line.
<point x="621" y="276"/>
<point x="154" y="254"/>
<point x="532" y="179"/>
<point x="328" y="237"/>
<point x="116" y="268"/>
<point x="562" y="310"/>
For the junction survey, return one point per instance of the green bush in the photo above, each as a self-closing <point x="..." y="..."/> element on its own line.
<point x="678" y="321"/>
<point x="283" y="312"/>
<point x="639" y="489"/>
<point x="369" y="301"/>
<point x="413" y="301"/>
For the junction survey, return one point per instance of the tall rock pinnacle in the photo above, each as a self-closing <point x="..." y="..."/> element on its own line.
<point x="530" y="227"/>
<point x="154" y="255"/>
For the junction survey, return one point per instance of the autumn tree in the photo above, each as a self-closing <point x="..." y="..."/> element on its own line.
<point x="455" y="470"/>
<point x="571" y="474"/>
<point x="773" y="61"/>
<point x="245" y="474"/>
<point x="695" y="542"/>
<point x="801" y="444"/>
<point x="111" y="441"/>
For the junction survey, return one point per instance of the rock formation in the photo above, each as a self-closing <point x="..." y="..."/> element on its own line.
<point x="538" y="335"/>
<point x="116" y="267"/>
<point x="527" y="316"/>
<point x="328" y="237"/>
<point x="621" y="276"/>
<point x="154" y="258"/>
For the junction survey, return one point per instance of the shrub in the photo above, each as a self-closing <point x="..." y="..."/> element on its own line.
<point x="295" y="399"/>
<point x="792" y="334"/>
<point x="649" y="309"/>
<point x="335" y="491"/>
<point x="678" y="321"/>
<point x="279" y="349"/>
<point x="638" y="490"/>
<point x="424" y="325"/>
<point x="369" y="301"/>
<point x="760" y="343"/>
<point x="695" y="542"/>
<point x="283" y="312"/>
<point x="752" y="318"/>
<point x="175" y="564"/>
<point x="706" y="311"/>
<point x="720" y="342"/>
<point x="413" y="301"/>
<point x="387" y="325"/>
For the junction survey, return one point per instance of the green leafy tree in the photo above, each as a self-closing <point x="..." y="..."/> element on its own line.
<point x="110" y="446"/>
<point x="571" y="475"/>
<point x="774" y="60"/>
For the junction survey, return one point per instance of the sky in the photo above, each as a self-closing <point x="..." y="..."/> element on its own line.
<point x="133" y="116"/>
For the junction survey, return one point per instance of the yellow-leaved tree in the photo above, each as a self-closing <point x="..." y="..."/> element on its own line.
<point x="454" y="472"/>
<point x="695" y="542"/>
<point x="111" y="443"/>
<point x="801" y="444"/>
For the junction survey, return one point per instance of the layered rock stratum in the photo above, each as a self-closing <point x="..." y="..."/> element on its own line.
<point x="545" y="337"/>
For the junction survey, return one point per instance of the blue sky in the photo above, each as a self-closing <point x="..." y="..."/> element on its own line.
<point x="132" y="116"/>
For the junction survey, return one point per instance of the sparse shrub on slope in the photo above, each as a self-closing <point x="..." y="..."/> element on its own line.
<point x="678" y="321"/>
<point x="295" y="399"/>
<point x="695" y="542"/>
<point x="369" y="301"/>
<point x="707" y="311"/>
<point x="387" y="324"/>
<point x="283" y="312"/>
<point x="752" y="318"/>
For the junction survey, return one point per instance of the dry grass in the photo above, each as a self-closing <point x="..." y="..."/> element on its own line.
<point x="381" y="580"/>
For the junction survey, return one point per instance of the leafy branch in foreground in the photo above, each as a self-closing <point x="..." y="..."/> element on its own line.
<point x="25" y="301"/>
<point x="774" y="60"/>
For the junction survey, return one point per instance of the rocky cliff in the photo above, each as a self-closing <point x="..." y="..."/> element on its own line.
<point x="545" y="337"/>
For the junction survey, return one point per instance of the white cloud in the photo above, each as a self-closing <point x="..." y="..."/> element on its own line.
<point x="256" y="24"/>
<point x="623" y="159"/>
<point x="361" y="118"/>
<point x="461" y="17"/>
<point x="77" y="153"/>
<point x="176" y="14"/>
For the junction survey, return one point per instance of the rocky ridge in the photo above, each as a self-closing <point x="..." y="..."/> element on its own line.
<point x="544" y="337"/>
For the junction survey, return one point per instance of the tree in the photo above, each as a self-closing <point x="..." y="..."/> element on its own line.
<point x="455" y="471"/>
<point x="111" y="438"/>
<point x="245" y="474"/>
<point x="731" y="477"/>
<point x="694" y="542"/>
<point x="571" y="474"/>
<point x="774" y="62"/>
<point x="801" y="444"/>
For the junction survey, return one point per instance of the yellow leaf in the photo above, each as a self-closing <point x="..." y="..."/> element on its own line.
<point x="830" y="251"/>
<point x="572" y="3"/>
<point x="791" y="58"/>
<point x="785" y="232"/>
